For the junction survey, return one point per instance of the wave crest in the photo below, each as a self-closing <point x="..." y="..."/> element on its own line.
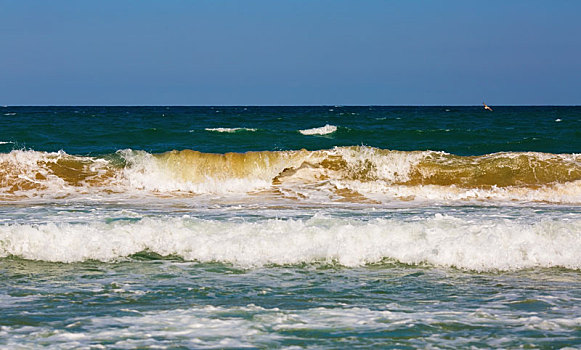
<point x="230" y="130"/>
<point x="323" y="130"/>
<point x="58" y="173"/>
<point x="343" y="173"/>
<point x="441" y="241"/>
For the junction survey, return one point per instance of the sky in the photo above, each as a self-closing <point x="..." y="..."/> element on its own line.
<point x="290" y="52"/>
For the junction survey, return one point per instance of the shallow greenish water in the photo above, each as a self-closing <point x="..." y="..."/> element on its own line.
<point x="147" y="301"/>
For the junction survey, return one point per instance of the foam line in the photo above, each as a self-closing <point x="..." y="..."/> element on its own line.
<point x="482" y="245"/>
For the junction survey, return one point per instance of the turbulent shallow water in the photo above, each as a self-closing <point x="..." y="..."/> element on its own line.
<point x="318" y="227"/>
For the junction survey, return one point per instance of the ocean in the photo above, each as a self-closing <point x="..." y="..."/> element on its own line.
<point x="290" y="227"/>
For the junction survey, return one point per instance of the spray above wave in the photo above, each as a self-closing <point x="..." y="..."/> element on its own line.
<point x="343" y="173"/>
<point x="485" y="244"/>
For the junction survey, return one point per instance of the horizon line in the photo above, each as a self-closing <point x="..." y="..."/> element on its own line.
<point x="289" y="105"/>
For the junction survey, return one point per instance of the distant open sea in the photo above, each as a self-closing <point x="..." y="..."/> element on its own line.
<point x="290" y="227"/>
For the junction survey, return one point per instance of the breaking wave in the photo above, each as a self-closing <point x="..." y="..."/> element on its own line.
<point x="229" y="130"/>
<point x="342" y="173"/>
<point x="476" y="244"/>
<point x="324" y="130"/>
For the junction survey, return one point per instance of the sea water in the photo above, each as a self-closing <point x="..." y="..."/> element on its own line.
<point x="290" y="227"/>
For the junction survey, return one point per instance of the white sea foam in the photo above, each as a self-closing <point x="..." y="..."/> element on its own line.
<point x="384" y="192"/>
<point x="230" y="130"/>
<point x="10" y="301"/>
<point x="324" y="130"/>
<point x="389" y="167"/>
<point x="474" y="244"/>
<point x="253" y="326"/>
<point x="198" y="327"/>
<point x="34" y="174"/>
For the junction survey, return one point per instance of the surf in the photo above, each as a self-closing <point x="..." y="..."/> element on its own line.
<point x="356" y="173"/>
<point x="483" y="244"/>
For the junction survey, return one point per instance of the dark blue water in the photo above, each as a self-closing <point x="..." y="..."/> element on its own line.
<point x="457" y="130"/>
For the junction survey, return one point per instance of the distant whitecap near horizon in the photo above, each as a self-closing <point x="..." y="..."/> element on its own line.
<point x="323" y="130"/>
<point x="229" y="130"/>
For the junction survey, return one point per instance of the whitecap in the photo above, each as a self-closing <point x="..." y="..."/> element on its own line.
<point x="230" y="130"/>
<point x="485" y="244"/>
<point x="324" y="130"/>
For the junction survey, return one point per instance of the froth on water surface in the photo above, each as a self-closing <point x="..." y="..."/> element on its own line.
<point x="471" y="238"/>
<point x="174" y="303"/>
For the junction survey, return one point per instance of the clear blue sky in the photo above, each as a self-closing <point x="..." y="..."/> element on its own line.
<point x="289" y="52"/>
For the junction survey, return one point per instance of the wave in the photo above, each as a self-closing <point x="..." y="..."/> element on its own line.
<point x="230" y="130"/>
<point x="31" y="173"/>
<point x="342" y="173"/>
<point x="473" y="244"/>
<point x="324" y="130"/>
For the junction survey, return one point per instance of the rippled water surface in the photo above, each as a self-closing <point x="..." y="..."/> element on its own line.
<point x="152" y="302"/>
